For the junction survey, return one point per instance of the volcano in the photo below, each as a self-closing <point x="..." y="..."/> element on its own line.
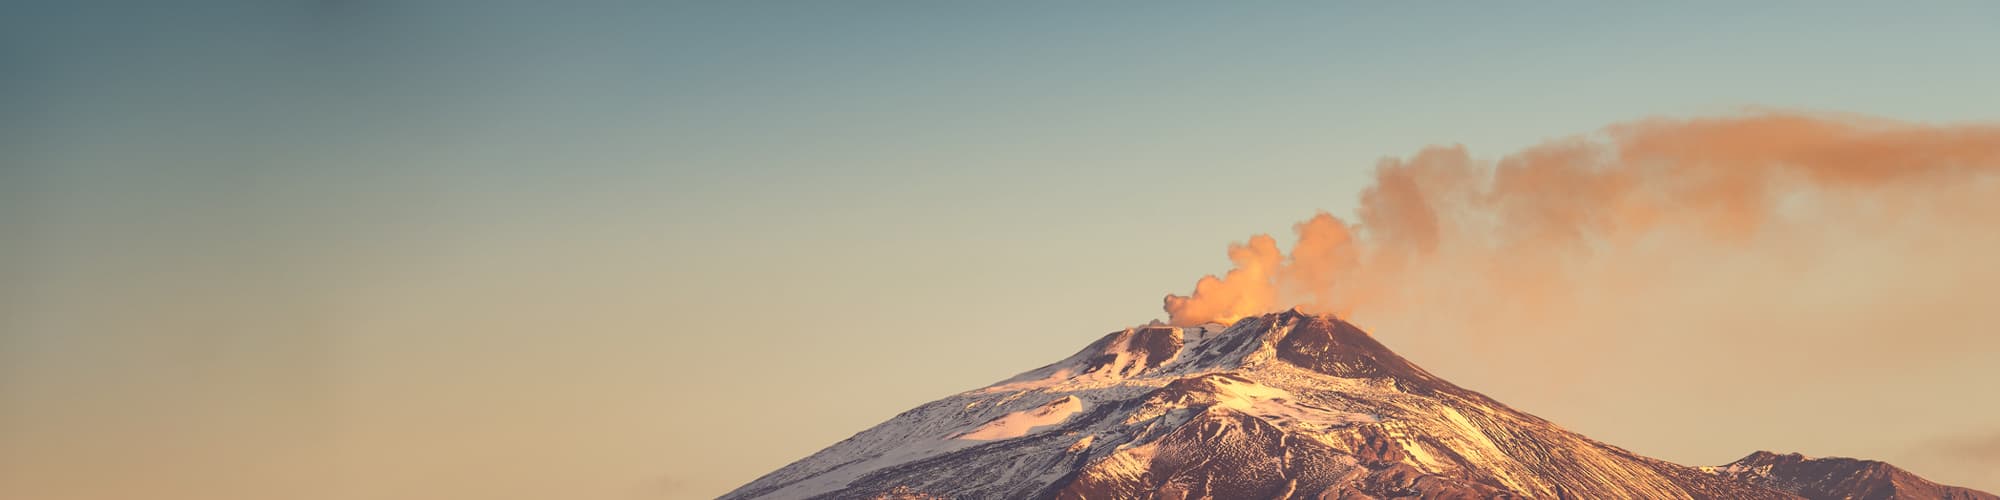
<point x="1283" y="405"/>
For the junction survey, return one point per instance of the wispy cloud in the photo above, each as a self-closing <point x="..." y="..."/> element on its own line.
<point x="1982" y="448"/>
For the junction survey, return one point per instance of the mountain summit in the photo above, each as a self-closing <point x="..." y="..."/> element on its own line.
<point x="1284" y="405"/>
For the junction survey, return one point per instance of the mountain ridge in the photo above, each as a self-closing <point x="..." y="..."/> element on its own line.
<point x="1837" y="477"/>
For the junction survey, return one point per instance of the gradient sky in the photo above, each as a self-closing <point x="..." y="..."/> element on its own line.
<point x="388" y="250"/>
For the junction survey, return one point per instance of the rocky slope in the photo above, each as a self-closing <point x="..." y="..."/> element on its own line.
<point x="1285" y="405"/>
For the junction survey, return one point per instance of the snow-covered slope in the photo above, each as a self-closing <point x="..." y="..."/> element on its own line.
<point x="1286" y="405"/>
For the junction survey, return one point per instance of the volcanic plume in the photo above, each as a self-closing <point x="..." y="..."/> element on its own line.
<point x="1441" y="223"/>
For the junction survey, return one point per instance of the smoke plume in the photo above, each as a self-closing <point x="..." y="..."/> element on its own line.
<point x="1530" y="226"/>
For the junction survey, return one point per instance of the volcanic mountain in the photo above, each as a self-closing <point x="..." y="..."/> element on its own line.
<point x="1285" y="405"/>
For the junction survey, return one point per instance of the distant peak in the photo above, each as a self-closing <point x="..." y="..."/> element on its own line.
<point x="1837" y="477"/>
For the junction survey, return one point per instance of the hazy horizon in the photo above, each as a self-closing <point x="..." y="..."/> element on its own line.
<point x="427" y="250"/>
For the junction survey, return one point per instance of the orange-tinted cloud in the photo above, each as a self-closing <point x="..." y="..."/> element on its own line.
<point x="1245" y="291"/>
<point x="1520" y="219"/>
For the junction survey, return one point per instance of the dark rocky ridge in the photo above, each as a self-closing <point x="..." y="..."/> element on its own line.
<point x="1839" y="478"/>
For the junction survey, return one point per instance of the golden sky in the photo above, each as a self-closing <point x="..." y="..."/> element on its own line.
<point x="344" y="250"/>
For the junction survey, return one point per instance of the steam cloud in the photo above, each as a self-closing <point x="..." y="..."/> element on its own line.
<point x="1522" y="223"/>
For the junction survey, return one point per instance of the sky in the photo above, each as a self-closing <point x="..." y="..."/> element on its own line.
<point x="388" y="250"/>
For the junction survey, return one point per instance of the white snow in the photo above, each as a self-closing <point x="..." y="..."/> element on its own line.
<point x="1021" y="423"/>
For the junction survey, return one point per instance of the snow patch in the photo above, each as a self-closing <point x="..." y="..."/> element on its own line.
<point x="1022" y="423"/>
<point x="1278" y="406"/>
